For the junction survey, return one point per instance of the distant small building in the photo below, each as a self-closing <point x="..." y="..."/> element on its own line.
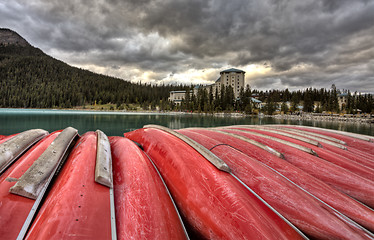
<point x="177" y="96"/>
<point x="255" y="95"/>
<point x="256" y="103"/>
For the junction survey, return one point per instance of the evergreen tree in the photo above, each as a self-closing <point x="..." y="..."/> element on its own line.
<point x="229" y="98"/>
<point x="308" y="105"/>
<point x="284" y="107"/>
<point x="294" y="103"/>
<point x="270" y="106"/>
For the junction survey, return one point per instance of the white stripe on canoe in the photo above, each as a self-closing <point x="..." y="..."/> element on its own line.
<point x="31" y="183"/>
<point x="213" y="159"/>
<point x="103" y="168"/>
<point x="299" y="147"/>
<point x="11" y="149"/>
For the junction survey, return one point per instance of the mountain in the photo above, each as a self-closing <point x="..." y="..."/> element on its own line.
<point x="31" y="79"/>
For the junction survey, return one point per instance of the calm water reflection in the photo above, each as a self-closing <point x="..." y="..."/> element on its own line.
<point x="115" y="124"/>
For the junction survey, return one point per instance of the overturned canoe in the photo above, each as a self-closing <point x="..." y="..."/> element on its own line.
<point x="343" y="203"/>
<point x="323" y="151"/>
<point x="14" y="209"/>
<point x="144" y="209"/>
<point x="340" y="178"/>
<point x="214" y="204"/>
<point x="311" y="216"/>
<point x="361" y="143"/>
<point x="76" y="205"/>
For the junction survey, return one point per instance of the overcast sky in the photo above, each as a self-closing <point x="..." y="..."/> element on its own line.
<point x="279" y="43"/>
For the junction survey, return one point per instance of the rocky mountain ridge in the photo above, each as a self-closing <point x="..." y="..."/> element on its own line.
<point x="9" y="37"/>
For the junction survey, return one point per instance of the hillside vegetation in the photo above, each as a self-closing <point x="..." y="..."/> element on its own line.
<point x="31" y="79"/>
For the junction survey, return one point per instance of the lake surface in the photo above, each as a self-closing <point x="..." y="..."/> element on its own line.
<point x="116" y="123"/>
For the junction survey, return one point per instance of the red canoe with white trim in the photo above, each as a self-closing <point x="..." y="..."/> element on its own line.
<point x="357" y="150"/>
<point x="14" y="209"/>
<point x="350" y="152"/>
<point x="76" y="206"/>
<point x="311" y="216"/>
<point x="341" y="202"/>
<point x="214" y="203"/>
<point x="144" y="210"/>
<point x="364" y="146"/>
<point x="323" y="153"/>
<point x="345" y="181"/>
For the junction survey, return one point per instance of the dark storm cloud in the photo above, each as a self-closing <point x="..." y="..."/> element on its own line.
<point x="306" y="43"/>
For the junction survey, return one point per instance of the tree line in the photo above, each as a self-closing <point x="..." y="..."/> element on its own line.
<point x="310" y="100"/>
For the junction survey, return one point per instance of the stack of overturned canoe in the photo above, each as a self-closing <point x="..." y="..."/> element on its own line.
<point x="237" y="182"/>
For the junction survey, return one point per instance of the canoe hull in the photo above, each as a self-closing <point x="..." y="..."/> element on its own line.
<point x="351" y="208"/>
<point x="144" y="209"/>
<point x="14" y="209"/>
<point x="212" y="202"/>
<point x="68" y="209"/>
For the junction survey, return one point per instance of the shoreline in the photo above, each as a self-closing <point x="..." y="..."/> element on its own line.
<point x="349" y="118"/>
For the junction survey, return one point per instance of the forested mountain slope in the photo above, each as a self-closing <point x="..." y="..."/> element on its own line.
<point x="31" y="79"/>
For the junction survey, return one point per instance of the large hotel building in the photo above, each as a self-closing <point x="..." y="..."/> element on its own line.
<point x="231" y="77"/>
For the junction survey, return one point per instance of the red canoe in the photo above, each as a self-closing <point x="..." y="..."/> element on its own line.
<point x="324" y="153"/>
<point x="357" y="150"/>
<point x="345" y="181"/>
<point x="144" y="210"/>
<point x="351" y="153"/>
<point x="334" y="198"/>
<point x="14" y="209"/>
<point x="213" y="203"/>
<point x="361" y="145"/>
<point x="311" y="216"/>
<point x="354" y="155"/>
<point x="76" y="206"/>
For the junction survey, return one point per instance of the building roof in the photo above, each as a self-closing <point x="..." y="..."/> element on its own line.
<point x="232" y="70"/>
<point x="255" y="100"/>
<point x="177" y="91"/>
<point x="219" y="79"/>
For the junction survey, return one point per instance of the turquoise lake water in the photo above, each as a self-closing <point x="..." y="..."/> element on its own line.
<point x="116" y="123"/>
